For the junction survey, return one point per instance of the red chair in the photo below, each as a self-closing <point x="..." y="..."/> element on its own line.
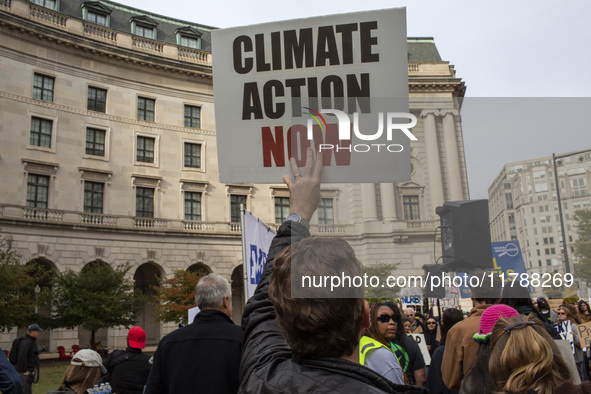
<point x="75" y="349"/>
<point x="62" y="353"/>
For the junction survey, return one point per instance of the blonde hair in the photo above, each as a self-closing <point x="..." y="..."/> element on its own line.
<point x="525" y="357"/>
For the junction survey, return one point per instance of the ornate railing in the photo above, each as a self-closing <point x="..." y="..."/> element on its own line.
<point x="46" y="15"/>
<point x="100" y="32"/>
<point x="147" y="44"/>
<point x="198" y="226"/>
<point x="193" y="55"/>
<point x="413" y="68"/>
<point x="5" y="3"/>
<point x="98" y="219"/>
<point x="150" y="223"/>
<point x="41" y="214"/>
<point x="422" y="224"/>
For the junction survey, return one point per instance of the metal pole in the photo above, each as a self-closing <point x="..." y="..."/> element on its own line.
<point x="244" y="254"/>
<point x="557" y="185"/>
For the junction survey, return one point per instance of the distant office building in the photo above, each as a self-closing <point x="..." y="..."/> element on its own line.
<point x="108" y="155"/>
<point x="523" y="206"/>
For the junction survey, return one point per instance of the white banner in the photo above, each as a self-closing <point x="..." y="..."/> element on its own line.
<point x="338" y="83"/>
<point x="565" y="331"/>
<point x="420" y="340"/>
<point x="257" y="238"/>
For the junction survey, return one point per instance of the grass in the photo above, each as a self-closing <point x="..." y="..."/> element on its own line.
<point x="51" y="375"/>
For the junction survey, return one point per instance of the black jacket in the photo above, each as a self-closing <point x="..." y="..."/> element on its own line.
<point x="128" y="370"/>
<point x="203" y="356"/>
<point x="267" y="365"/>
<point x="27" y="355"/>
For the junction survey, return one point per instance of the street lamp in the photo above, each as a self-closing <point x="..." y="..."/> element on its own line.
<point x="37" y="291"/>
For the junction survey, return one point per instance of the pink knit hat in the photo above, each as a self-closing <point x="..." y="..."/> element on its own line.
<point x="488" y="319"/>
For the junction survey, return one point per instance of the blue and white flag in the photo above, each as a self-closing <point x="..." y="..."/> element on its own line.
<point x="256" y="239"/>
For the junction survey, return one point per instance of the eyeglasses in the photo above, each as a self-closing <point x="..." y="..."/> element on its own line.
<point x="387" y="318"/>
<point x="561" y="313"/>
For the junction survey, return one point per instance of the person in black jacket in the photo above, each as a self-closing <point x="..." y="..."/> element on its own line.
<point x="297" y="339"/>
<point x="28" y="358"/>
<point x="129" y="369"/>
<point x="203" y="356"/>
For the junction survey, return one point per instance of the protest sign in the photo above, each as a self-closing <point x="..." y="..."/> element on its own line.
<point x="507" y="263"/>
<point x="584" y="331"/>
<point x="565" y="332"/>
<point x="555" y="303"/>
<point x="337" y="83"/>
<point x="420" y="340"/>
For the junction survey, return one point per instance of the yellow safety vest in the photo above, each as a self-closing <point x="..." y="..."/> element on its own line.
<point x="365" y="345"/>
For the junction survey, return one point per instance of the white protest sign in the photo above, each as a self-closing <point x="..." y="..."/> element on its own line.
<point x="564" y="330"/>
<point x="420" y="340"/>
<point x="192" y="313"/>
<point x="411" y="300"/>
<point x="337" y="83"/>
<point x="257" y="239"/>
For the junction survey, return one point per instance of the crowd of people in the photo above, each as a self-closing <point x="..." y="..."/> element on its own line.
<point x="337" y="344"/>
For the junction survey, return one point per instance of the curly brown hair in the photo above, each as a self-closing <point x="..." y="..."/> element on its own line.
<point x="317" y="327"/>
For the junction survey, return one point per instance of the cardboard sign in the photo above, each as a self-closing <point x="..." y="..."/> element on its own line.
<point x="420" y="340"/>
<point x="336" y="83"/>
<point x="554" y="304"/>
<point x="584" y="331"/>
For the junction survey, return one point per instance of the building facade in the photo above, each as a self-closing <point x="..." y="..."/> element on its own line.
<point x="109" y="155"/>
<point x="523" y="206"/>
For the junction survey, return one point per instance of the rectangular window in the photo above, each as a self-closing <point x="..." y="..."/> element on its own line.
<point x="95" y="141"/>
<point x="95" y="18"/>
<point x="193" y="206"/>
<point x="192" y="116"/>
<point x="52" y="4"/>
<point x="325" y="211"/>
<point x="235" y="201"/>
<point x="192" y="155"/>
<point x="41" y="132"/>
<point x="411" y="207"/>
<point x="97" y="99"/>
<point x="579" y="186"/>
<point x="189" y="42"/>
<point x="93" y="197"/>
<point x="37" y="191"/>
<point x="145" y="149"/>
<point x="43" y="87"/>
<point x="281" y="209"/>
<point x="144" y="202"/>
<point x="143" y="31"/>
<point x="145" y="109"/>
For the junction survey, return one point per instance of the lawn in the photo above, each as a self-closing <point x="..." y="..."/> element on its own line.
<point x="52" y="372"/>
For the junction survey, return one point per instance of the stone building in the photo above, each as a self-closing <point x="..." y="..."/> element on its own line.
<point x="108" y="154"/>
<point x="523" y="206"/>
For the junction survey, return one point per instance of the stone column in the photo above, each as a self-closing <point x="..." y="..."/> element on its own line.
<point x="368" y="201"/>
<point x="433" y="162"/>
<point x="388" y="201"/>
<point x="452" y="158"/>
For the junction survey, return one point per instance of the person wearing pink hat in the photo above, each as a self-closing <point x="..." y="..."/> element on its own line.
<point x="479" y="381"/>
<point x="128" y="369"/>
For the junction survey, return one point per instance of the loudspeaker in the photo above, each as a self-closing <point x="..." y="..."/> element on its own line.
<point x="433" y="289"/>
<point x="465" y="235"/>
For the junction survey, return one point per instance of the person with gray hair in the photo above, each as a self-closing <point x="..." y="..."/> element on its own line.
<point x="205" y="355"/>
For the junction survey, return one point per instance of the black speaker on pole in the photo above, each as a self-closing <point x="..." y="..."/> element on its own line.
<point x="433" y="288"/>
<point x="465" y="235"/>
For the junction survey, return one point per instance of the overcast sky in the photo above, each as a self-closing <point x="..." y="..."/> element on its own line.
<point x="525" y="48"/>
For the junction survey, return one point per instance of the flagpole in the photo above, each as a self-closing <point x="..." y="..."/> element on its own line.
<point x="245" y="263"/>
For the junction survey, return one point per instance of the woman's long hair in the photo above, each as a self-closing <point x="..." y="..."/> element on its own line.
<point x="525" y="357"/>
<point x="80" y="378"/>
<point x="571" y="313"/>
<point x="372" y="330"/>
